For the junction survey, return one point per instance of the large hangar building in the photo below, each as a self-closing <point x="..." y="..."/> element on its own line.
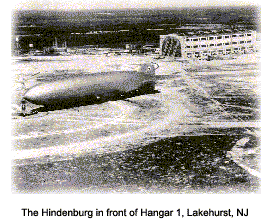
<point x="201" y="46"/>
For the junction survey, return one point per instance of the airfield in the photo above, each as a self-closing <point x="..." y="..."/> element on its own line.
<point x="199" y="132"/>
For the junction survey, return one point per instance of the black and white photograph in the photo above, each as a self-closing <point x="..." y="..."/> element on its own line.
<point x="148" y="110"/>
<point x="138" y="98"/>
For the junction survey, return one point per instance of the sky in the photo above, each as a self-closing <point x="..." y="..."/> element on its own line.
<point x="121" y="4"/>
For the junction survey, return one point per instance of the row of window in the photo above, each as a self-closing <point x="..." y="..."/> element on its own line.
<point x="219" y="51"/>
<point x="219" y="44"/>
<point x="218" y="37"/>
<point x="242" y="42"/>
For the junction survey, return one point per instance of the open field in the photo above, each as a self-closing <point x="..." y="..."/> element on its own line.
<point x="197" y="133"/>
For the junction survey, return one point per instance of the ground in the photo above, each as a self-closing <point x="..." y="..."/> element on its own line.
<point x="197" y="133"/>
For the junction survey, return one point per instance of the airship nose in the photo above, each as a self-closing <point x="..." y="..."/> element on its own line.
<point x="32" y="95"/>
<point x="29" y="96"/>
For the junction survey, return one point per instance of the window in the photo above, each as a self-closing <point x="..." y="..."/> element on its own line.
<point x="195" y="39"/>
<point x="203" y="38"/>
<point x="188" y="46"/>
<point x="234" y="42"/>
<point x="203" y="45"/>
<point x="188" y="39"/>
<point x="241" y="42"/>
<point x="211" y="45"/>
<point x="211" y="38"/>
<point x="196" y="46"/>
<point x="228" y="49"/>
<point x="249" y="34"/>
<point x="226" y="37"/>
<point x="241" y="35"/>
<point x="220" y="44"/>
<point x="227" y="43"/>
<point x="249" y="41"/>
<point x="234" y="35"/>
<point x="220" y="37"/>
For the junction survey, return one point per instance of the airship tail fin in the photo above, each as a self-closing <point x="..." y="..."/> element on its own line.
<point x="148" y="68"/>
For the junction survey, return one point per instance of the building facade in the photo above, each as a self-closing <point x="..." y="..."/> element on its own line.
<point x="207" y="45"/>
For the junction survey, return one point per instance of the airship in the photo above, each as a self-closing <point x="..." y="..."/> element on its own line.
<point x="70" y="89"/>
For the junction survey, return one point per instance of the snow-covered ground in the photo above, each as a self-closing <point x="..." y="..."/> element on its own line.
<point x="189" y="102"/>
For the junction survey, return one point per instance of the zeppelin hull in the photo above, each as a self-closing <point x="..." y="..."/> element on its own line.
<point x="84" y="88"/>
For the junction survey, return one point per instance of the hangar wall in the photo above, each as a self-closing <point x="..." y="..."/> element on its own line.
<point x="207" y="45"/>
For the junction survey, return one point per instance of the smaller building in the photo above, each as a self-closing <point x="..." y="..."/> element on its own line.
<point x="130" y="47"/>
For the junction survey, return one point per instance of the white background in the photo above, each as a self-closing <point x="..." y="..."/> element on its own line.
<point x="258" y="204"/>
